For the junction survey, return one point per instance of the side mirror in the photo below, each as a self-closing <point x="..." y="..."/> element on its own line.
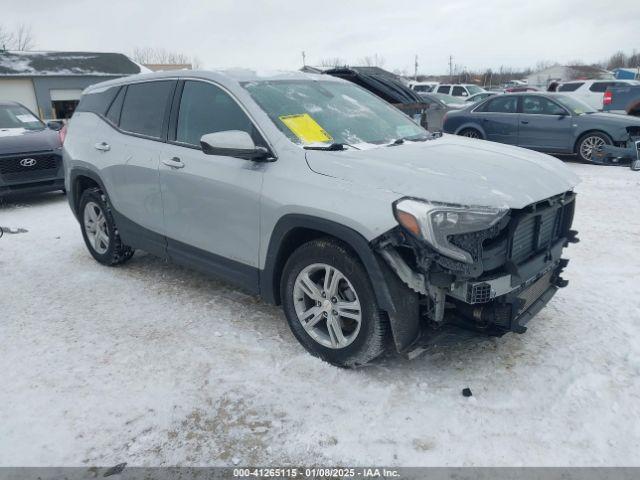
<point x="233" y="143"/>
<point x="55" y="125"/>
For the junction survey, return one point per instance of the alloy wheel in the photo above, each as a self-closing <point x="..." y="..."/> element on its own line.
<point x="471" y="134"/>
<point x="327" y="305"/>
<point x="590" y="145"/>
<point x="95" y="226"/>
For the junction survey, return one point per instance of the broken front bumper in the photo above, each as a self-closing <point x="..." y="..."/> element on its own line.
<point x="616" y="155"/>
<point x="517" y="270"/>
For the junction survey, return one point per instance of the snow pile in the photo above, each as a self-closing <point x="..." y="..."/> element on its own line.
<point x="152" y="364"/>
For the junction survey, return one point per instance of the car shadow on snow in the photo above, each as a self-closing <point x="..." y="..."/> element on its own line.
<point x="18" y="200"/>
<point x="192" y="287"/>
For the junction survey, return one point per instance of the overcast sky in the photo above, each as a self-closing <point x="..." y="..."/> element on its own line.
<point x="272" y="34"/>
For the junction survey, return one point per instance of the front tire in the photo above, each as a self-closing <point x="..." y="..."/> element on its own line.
<point x="470" y="133"/>
<point x="330" y="304"/>
<point x="589" y="143"/>
<point x="99" y="229"/>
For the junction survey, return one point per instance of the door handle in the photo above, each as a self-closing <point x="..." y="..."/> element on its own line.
<point x="174" y="162"/>
<point x="102" y="146"/>
<point x="524" y="121"/>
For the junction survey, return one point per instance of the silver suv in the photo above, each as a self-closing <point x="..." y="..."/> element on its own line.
<point x="319" y="196"/>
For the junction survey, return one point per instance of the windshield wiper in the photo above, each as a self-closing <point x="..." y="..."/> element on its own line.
<point x="401" y="140"/>
<point x="329" y="147"/>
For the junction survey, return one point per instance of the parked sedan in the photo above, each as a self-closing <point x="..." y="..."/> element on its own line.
<point x="479" y="97"/>
<point x="547" y="122"/>
<point x="30" y="152"/>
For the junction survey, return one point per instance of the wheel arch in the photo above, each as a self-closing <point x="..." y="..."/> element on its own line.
<point x="79" y="180"/>
<point x="293" y="230"/>
<point x="581" y="135"/>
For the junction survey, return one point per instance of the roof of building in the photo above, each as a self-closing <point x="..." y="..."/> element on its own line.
<point x="28" y="64"/>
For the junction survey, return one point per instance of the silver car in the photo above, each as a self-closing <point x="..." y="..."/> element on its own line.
<point x="319" y="196"/>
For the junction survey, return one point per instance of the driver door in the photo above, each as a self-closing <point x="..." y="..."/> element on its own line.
<point x="210" y="202"/>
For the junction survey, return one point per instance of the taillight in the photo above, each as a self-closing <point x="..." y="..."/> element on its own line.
<point x="608" y="98"/>
<point x="63" y="133"/>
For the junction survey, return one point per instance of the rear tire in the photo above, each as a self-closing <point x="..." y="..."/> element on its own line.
<point x="325" y="286"/>
<point x="99" y="229"/>
<point x="471" y="133"/>
<point x="589" y="142"/>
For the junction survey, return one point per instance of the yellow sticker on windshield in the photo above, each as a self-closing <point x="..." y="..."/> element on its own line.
<point x="306" y="128"/>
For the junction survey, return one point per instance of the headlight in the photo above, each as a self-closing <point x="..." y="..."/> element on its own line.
<point x="434" y="222"/>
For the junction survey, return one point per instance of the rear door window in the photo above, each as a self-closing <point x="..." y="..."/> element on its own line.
<point x="570" y="87"/>
<point x="206" y="108"/>
<point x="145" y="106"/>
<point x="502" y="104"/>
<point x="541" y="106"/>
<point x="443" y="89"/>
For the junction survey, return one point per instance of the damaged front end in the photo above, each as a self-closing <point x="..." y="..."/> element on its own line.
<point x="489" y="281"/>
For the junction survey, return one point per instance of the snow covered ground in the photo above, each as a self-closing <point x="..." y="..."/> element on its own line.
<point x="152" y="364"/>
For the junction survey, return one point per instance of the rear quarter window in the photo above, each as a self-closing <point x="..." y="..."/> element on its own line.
<point x="600" y="87"/>
<point x="570" y="87"/>
<point x="97" y="103"/>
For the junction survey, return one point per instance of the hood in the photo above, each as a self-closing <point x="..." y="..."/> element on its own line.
<point x="451" y="169"/>
<point x="19" y="140"/>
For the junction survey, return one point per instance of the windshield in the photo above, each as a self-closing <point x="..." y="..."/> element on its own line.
<point x="312" y="111"/>
<point x="15" y="116"/>
<point x="473" y="89"/>
<point x="448" y="99"/>
<point x="575" y="106"/>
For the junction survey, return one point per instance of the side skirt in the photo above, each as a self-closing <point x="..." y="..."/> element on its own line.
<point x="136" y="236"/>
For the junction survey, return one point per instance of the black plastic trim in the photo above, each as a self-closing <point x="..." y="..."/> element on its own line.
<point x="269" y="283"/>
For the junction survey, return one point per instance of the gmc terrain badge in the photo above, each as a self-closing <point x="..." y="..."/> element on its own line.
<point x="28" y="162"/>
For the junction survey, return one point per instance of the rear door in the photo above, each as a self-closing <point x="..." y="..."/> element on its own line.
<point x="498" y="118"/>
<point x="211" y="202"/>
<point x="544" y="125"/>
<point x="135" y="150"/>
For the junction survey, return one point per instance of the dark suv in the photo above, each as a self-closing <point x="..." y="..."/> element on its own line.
<point x="30" y="152"/>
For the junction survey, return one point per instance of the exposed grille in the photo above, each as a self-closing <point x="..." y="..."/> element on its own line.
<point x="538" y="231"/>
<point x="532" y="293"/>
<point x="30" y="163"/>
<point x="479" y="293"/>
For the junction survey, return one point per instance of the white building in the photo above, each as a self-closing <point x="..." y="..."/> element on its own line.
<point x="564" y="73"/>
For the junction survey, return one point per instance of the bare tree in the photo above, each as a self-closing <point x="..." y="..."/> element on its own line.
<point x="23" y="38"/>
<point x="20" y="39"/>
<point x="159" y="55"/>
<point x="374" y="60"/>
<point x="617" y="60"/>
<point x="6" y="39"/>
<point x="332" y="62"/>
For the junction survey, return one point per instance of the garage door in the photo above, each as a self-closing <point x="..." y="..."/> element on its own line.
<point x="19" y="90"/>
<point x="62" y="94"/>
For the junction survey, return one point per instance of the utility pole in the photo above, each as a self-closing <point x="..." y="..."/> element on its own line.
<point x="415" y="71"/>
<point x="304" y="59"/>
<point x="450" y="68"/>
